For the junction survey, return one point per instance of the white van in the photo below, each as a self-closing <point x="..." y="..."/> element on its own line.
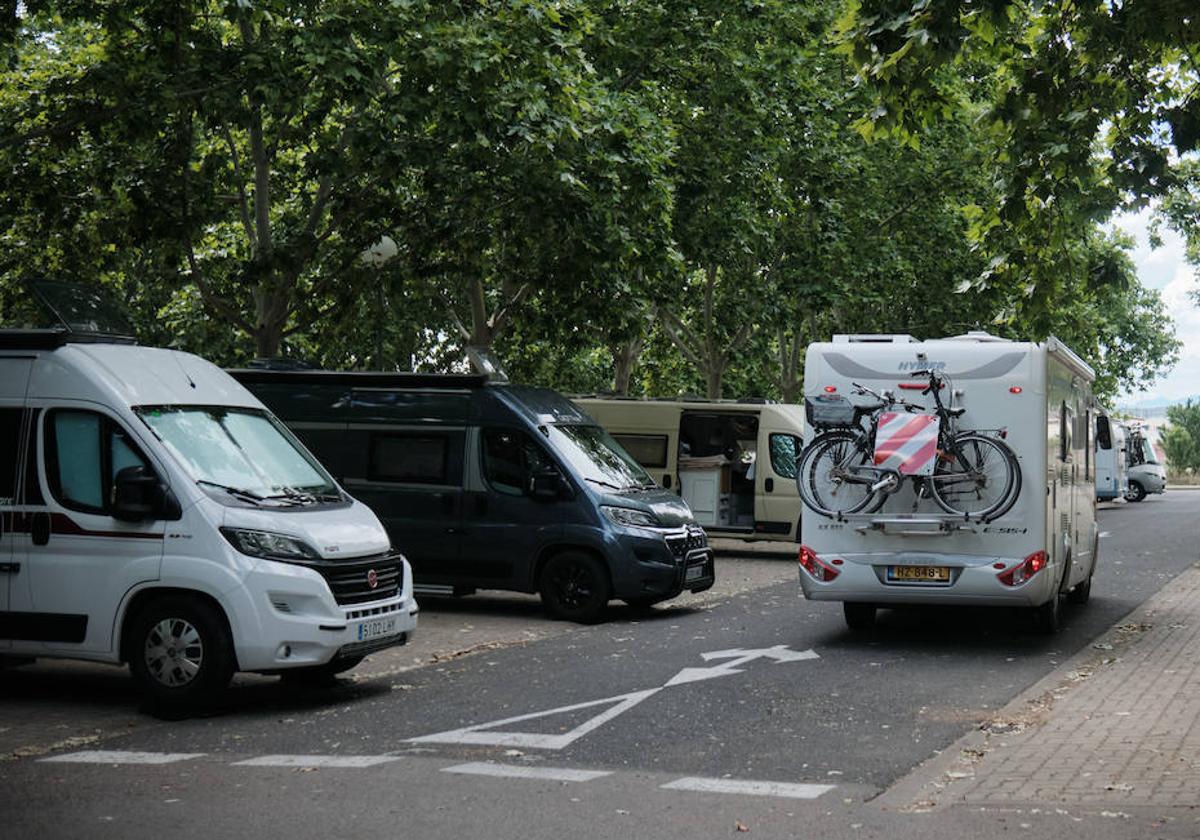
<point x="153" y="512"/>
<point x="734" y="463"/>
<point x="1037" y="399"/>
<point x="1112" y="478"/>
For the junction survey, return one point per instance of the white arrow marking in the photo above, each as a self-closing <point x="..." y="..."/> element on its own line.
<point x="484" y="734"/>
<point x="780" y="653"/>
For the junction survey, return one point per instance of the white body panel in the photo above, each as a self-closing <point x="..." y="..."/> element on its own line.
<point x="1019" y="387"/>
<point x="93" y="566"/>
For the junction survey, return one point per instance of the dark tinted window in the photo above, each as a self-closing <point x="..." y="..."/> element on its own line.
<point x="1103" y="433"/>
<point x="10" y="435"/>
<point x="412" y="459"/>
<point x="647" y="450"/>
<point x="510" y="457"/>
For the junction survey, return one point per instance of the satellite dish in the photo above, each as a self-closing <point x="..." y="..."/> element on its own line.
<point x="380" y="252"/>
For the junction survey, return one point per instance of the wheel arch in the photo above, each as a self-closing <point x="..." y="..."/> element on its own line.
<point x="143" y="597"/>
<point x="549" y="552"/>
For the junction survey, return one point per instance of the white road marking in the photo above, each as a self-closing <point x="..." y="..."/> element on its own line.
<point x="120" y="757"/>
<point x="747" y="788"/>
<point x="554" y="774"/>
<point x="480" y="735"/>
<point x="316" y="761"/>
<point x="780" y="653"/>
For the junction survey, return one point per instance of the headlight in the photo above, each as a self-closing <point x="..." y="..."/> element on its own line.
<point x="629" y="516"/>
<point x="270" y="545"/>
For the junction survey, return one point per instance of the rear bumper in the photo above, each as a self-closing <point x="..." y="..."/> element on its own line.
<point x="973" y="581"/>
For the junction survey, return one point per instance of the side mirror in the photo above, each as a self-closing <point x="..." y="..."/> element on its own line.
<point x="138" y="495"/>
<point x="547" y="485"/>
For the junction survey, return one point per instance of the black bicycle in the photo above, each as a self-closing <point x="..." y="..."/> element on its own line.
<point x="974" y="475"/>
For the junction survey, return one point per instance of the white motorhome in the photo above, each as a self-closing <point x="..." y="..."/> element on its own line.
<point x="154" y="512"/>
<point x="1112" y="477"/>
<point x="1037" y="398"/>
<point x="1147" y="474"/>
<point x="734" y="463"/>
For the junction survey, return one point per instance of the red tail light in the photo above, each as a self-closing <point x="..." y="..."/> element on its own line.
<point x="913" y="386"/>
<point x="815" y="566"/>
<point x="830" y="389"/>
<point x="1024" y="570"/>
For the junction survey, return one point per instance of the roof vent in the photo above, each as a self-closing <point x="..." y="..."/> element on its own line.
<point x="981" y="336"/>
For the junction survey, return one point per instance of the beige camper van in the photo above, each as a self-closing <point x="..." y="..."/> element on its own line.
<point x="734" y="463"/>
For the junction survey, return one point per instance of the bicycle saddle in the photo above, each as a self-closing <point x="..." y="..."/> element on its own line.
<point x="956" y="412"/>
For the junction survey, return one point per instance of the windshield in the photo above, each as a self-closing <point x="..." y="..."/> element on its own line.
<point x="243" y="452"/>
<point x="1148" y="452"/>
<point x="595" y="456"/>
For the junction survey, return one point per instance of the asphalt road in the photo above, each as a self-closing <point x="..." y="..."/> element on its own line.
<point x="638" y="701"/>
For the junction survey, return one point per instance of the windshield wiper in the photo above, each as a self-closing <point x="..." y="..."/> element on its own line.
<point x="603" y="483"/>
<point x="245" y="495"/>
<point x="295" y="494"/>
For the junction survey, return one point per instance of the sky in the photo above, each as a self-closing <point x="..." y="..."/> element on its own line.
<point x="1166" y="270"/>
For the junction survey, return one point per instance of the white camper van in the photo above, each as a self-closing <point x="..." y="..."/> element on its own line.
<point x="1037" y="399"/>
<point x="1146" y="473"/>
<point x="734" y="463"/>
<point x="1112" y="460"/>
<point x="154" y="512"/>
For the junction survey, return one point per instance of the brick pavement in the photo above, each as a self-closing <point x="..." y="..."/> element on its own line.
<point x="1116" y="726"/>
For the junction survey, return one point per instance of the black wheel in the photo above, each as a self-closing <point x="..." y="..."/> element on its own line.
<point x="858" y="616"/>
<point x="825" y="475"/>
<point x="1136" y="491"/>
<point x="180" y="652"/>
<point x="1047" y="617"/>
<point x="978" y="476"/>
<point x="319" y="675"/>
<point x="574" y="587"/>
<point x="1082" y="592"/>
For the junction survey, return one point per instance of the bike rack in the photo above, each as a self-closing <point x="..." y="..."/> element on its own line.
<point x="912" y="524"/>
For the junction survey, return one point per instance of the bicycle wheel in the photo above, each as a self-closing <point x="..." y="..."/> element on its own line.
<point x="824" y="475"/>
<point x="976" y="476"/>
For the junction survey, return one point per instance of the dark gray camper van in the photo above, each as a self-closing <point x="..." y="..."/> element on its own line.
<point x="491" y="486"/>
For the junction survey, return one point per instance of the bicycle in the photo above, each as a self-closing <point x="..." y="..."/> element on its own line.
<point x="973" y="474"/>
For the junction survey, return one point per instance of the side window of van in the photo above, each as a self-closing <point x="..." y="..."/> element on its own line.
<point x="648" y="450"/>
<point x="1066" y="429"/>
<point x="784" y="449"/>
<point x="509" y="458"/>
<point x="84" y="452"/>
<point x="418" y="458"/>
<point x="13" y="423"/>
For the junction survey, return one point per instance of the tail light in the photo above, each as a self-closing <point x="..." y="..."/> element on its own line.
<point x="815" y="566"/>
<point x="1024" y="570"/>
<point x="830" y="389"/>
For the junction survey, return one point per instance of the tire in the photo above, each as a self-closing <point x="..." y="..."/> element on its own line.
<point x="858" y="616"/>
<point x="320" y="675"/>
<point x="180" y="653"/>
<point x="1047" y="619"/>
<point x="819" y="490"/>
<point x="574" y="587"/>
<point x="987" y="485"/>
<point x="1082" y="592"/>
<point x="1136" y="492"/>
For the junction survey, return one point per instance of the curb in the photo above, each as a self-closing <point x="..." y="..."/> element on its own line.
<point x="929" y="786"/>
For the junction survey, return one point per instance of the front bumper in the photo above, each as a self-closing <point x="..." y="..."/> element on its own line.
<point x="973" y="581"/>
<point x="301" y="624"/>
<point x="663" y="564"/>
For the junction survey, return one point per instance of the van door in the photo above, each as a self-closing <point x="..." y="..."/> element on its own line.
<point x="14" y="380"/>
<point x="777" y="501"/>
<point x="413" y="479"/>
<point x="81" y="560"/>
<point x="1106" y="461"/>
<point x="504" y="528"/>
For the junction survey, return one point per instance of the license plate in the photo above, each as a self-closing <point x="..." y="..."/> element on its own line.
<point x="376" y="628"/>
<point x="693" y="573"/>
<point x="935" y="574"/>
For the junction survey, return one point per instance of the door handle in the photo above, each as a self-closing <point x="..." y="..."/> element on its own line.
<point x="10" y="568"/>
<point x="769" y="485"/>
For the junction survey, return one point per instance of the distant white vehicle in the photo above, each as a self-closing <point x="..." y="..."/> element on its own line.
<point x="1112" y="459"/>
<point x="1036" y="398"/>
<point x="1146" y="473"/>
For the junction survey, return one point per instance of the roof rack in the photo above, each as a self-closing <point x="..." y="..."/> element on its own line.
<point x="53" y="338"/>
<point x="360" y="379"/>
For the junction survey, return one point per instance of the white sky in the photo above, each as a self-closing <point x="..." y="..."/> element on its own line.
<point x="1166" y="269"/>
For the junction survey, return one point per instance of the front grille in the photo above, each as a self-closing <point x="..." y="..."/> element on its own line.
<point x="349" y="580"/>
<point x="682" y="545"/>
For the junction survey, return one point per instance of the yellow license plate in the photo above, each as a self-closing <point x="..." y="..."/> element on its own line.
<point x="935" y="574"/>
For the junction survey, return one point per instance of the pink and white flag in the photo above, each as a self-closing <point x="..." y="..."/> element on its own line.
<point x="906" y="442"/>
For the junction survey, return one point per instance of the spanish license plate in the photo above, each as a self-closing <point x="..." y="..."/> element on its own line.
<point x="919" y="574"/>
<point x="693" y="573"/>
<point x="376" y="628"/>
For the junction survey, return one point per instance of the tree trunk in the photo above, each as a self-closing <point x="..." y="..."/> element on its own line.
<point x="713" y="376"/>
<point x="625" y="359"/>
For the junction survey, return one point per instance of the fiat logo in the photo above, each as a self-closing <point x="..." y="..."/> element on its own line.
<point x="372" y="579"/>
